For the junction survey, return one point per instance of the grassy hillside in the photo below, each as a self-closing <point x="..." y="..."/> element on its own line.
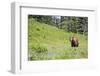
<point x="46" y="42"/>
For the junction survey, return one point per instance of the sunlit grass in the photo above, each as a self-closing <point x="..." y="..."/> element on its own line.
<point x="46" y="42"/>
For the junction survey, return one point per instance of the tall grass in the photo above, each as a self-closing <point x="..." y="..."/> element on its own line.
<point x="46" y="42"/>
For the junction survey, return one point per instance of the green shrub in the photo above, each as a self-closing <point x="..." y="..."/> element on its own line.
<point x="38" y="29"/>
<point x="39" y="49"/>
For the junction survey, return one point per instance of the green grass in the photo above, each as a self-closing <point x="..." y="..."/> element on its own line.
<point x="46" y="42"/>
